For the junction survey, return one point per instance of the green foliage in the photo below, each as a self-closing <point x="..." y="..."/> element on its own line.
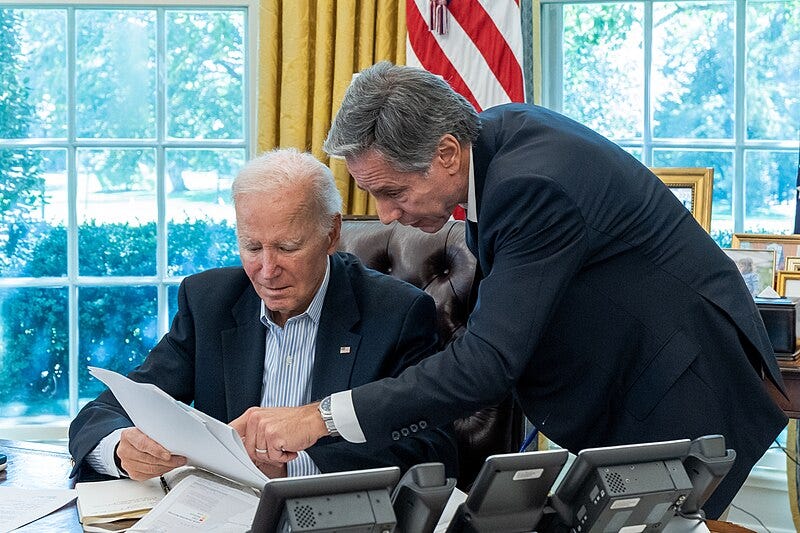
<point x="21" y="186"/>
<point x="118" y="325"/>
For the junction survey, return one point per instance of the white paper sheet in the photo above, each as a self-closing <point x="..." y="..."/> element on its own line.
<point x="197" y="504"/>
<point x="22" y="506"/>
<point x="204" y="441"/>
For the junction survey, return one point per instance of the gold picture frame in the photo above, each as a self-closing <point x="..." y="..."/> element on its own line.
<point x="792" y="263"/>
<point x="788" y="283"/>
<point x="693" y="187"/>
<point x="784" y="245"/>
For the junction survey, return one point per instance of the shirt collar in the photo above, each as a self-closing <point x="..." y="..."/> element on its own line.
<point x="314" y="310"/>
<point x="472" y="204"/>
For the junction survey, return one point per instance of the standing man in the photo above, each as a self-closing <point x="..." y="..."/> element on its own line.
<point x="607" y="310"/>
<point x="297" y="322"/>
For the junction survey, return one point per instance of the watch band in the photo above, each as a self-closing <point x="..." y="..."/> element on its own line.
<point x="327" y="416"/>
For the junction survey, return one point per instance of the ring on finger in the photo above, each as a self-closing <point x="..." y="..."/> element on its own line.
<point x="260" y="450"/>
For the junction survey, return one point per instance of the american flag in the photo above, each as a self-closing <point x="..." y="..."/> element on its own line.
<point x="475" y="45"/>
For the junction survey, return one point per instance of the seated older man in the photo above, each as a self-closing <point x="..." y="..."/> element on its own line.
<point x="297" y="322"/>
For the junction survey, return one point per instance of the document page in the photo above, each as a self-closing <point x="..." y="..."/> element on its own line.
<point x="198" y="504"/>
<point x="22" y="506"/>
<point x="117" y="499"/>
<point x="205" y="442"/>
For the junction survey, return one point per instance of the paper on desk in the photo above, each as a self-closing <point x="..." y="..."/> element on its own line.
<point x="22" y="506"/>
<point x="204" y="441"/>
<point x="198" y="504"/>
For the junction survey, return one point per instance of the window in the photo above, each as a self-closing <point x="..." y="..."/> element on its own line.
<point x="121" y="129"/>
<point x="688" y="83"/>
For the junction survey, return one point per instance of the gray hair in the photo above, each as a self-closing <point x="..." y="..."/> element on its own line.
<point x="402" y="113"/>
<point x="283" y="168"/>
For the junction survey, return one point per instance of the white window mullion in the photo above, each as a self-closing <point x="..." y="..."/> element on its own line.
<point x="739" y="125"/>
<point x="72" y="214"/>
<point x="161" y="166"/>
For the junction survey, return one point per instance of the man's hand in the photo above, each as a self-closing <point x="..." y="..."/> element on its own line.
<point x="142" y="457"/>
<point x="276" y="434"/>
<point x="272" y="470"/>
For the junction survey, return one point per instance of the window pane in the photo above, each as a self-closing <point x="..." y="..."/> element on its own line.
<point x="722" y="197"/>
<point x="205" y="74"/>
<point x="33" y="352"/>
<point x="33" y="223"/>
<point x="200" y="217"/>
<point x="772" y="73"/>
<point x="603" y="72"/>
<point x="116" y="73"/>
<point x="770" y="178"/>
<point x="118" y="329"/>
<point x="116" y="212"/>
<point x="693" y="68"/>
<point x="33" y="76"/>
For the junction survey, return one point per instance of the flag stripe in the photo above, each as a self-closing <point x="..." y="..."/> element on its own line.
<point x="460" y="52"/>
<point x="431" y="54"/>
<point x="492" y="45"/>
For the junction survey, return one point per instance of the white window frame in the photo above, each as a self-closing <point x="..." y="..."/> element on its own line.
<point x="552" y="96"/>
<point x="56" y="427"/>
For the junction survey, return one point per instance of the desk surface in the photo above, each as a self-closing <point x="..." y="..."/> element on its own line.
<point x="790" y="371"/>
<point x="41" y="466"/>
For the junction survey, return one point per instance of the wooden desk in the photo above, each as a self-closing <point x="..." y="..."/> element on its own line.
<point x="41" y="466"/>
<point x="790" y="370"/>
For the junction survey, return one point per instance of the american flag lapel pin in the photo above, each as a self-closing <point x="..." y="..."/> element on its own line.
<point x="344" y="349"/>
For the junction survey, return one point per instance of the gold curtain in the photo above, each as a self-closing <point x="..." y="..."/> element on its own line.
<point x="308" y="52"/>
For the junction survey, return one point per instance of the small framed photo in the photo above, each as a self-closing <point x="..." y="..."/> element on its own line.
<point x="692" y="186"/>
<point x="789" y="283"/>
<point x="756" y="266"/>
<point x="792" y="264"/>
<point x="784" y="245"/>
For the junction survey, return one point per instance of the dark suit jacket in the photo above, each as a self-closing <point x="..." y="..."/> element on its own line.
<point x="604" y="306"/>
<point x="213" y="356"/>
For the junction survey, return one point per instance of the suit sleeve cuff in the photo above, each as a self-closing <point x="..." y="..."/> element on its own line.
<point x="102" y="457"/>
<point x="344" y="417"/>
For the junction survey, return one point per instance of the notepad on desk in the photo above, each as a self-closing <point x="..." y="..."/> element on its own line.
<point x="117" y="504"/>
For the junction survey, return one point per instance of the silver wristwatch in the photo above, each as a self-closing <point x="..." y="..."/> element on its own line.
<point x="327" y="417"/>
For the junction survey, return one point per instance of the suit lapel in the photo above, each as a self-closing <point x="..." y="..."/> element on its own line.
<point x="243" y="355"/>
<point x="337" y="345"/>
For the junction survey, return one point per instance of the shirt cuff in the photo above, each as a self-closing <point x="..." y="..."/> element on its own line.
<point x="303" y="465"/>
<point x="344" y="417"/>
<point x="102" y="457"/>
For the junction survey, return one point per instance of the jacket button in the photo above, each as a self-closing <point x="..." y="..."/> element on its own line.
<point x="414" y="428"/>
<point x="395" y="435"/>
<point x="422" y="424"/>
<point x="405" y="432"/>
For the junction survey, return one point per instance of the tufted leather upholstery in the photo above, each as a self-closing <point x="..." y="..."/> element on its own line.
<point x="441" y="265"/>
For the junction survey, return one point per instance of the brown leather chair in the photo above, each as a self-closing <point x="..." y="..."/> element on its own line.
<point x="441" y="265"/>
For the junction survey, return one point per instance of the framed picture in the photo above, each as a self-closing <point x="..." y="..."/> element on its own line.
<point x="692" y="186"/>
<point x="784" y="245"/>
<point x="788" y="283"/>
<point x="792" y="264"/>
<point x="756" y="266"/>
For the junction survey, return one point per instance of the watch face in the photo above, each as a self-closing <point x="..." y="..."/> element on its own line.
<point x="325" y="405"/>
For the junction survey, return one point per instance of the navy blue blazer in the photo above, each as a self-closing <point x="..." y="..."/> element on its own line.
<point x="607" y="310"/>
<point x="213" y="355"/>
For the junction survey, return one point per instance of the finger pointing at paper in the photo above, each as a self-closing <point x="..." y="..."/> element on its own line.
<point x="278" y="433"/>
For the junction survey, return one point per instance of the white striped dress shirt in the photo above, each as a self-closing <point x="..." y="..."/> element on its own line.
<point x="289" y="362"/>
